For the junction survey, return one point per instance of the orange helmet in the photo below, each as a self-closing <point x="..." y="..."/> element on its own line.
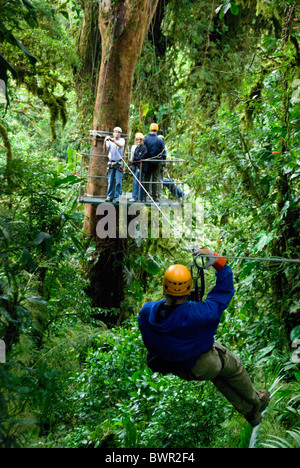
<point x="154" y="126"/>
<point x="177" y="281"/>
<point x="139" y="135"/>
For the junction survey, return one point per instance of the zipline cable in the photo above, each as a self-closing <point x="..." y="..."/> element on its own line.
<point x="229" y="257"/>
<point x="262" y="259"/>
<point x="267" y="259"/>
<point x="154" y="202"/>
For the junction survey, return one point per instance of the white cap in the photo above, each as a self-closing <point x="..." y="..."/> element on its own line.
<point x="118" y="129"/>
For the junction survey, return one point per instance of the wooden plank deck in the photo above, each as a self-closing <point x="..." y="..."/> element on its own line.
<point x="99" y="200"/>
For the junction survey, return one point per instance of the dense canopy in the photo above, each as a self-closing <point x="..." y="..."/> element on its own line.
<point x="222" y="80"/>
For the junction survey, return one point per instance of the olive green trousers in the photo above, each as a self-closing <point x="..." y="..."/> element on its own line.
<point x="227" y="373"/>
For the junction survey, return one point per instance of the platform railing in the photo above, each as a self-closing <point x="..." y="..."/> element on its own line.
<point x="173" y="174"/>
<point x="171" y="180"/>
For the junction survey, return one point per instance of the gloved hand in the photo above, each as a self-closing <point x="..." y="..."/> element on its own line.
<point x="217" y="263"/>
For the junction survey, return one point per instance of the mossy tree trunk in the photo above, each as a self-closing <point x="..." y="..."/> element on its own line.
<point x="88" y="44"/>
<point x="123" y="25"/>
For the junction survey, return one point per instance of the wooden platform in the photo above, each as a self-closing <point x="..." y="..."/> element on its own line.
<point x="126" y="200"/>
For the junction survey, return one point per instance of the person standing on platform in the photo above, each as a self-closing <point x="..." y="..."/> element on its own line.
<point x="115" y="165"/>
<point x="156" y="148"/>
<point x="138" y="153"/>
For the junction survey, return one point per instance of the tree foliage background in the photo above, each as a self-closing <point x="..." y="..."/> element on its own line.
<point x="222" y="80"/>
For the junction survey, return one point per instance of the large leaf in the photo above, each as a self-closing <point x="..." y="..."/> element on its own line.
<point x="44" y="240"/>
<point x="28" y="4"/>
<point x="264" y="239"/>
<point x="66" y="181"/>
<point x="37" y="300"/>
<point x="295" y="333"/>
<point x="41" y="237"/>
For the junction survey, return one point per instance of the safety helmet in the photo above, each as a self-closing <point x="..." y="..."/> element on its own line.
<point x="177" y="281"/>
<point x="139" y="135"/>
<point x="118" y="129"/>
<point x="154" y="126"/>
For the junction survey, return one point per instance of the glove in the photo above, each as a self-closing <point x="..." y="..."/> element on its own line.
<point x="217" y="263"/>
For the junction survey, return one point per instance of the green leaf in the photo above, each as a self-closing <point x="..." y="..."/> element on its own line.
<point x="219" y="8"/>
<point x="4" y="233"/>
<point x="7" y="316"/>
<point x="226" y="8"/>
<point x="65" y="14"/>
<point x="28" y="4"/>
<point x="263" y="352"/>
<point x="77" y="244"/>
<point x="297" y="376"/>
<point x="70" y="154"/>
<point x="27" y="259"/>
<point x="264" y="239"/>
<point x="37" y="299"/>
<point x="151" y="266"/>
<point x="9" y="37"/>
<point x="44" y="237"/>
<point x="66" y="181"/>
<point x="41" y="237"/>
<point x="295" y="333"/>
<point x="234" y="9"/>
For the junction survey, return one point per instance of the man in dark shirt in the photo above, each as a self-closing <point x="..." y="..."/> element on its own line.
<point x="179" y="337"/>
<point x="155" y="147"/>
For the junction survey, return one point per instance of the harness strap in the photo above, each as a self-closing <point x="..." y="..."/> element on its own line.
<point x="199" y="289"/>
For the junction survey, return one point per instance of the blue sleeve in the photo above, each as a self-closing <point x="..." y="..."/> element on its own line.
<point x="223" y="291"/>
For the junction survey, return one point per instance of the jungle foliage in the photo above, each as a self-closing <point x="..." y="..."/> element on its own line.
<point x="222" y="79"/>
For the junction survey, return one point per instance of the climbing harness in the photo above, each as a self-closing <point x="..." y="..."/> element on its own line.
<point x="198" y="293"/>
<point x="114" y="165"/>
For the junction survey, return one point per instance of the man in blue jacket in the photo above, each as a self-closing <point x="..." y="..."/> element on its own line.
<point x="179" y="337"/>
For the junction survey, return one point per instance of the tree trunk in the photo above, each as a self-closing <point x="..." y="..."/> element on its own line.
<point x="88" y="43"/>
<point x="123" y="26"/>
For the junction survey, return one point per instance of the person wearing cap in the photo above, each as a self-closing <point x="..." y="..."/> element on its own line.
<point x="179" y="336"/>
<point x="138" y="154"/>
<point x="156" y="150"/>
<point x="116" y="147"/>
